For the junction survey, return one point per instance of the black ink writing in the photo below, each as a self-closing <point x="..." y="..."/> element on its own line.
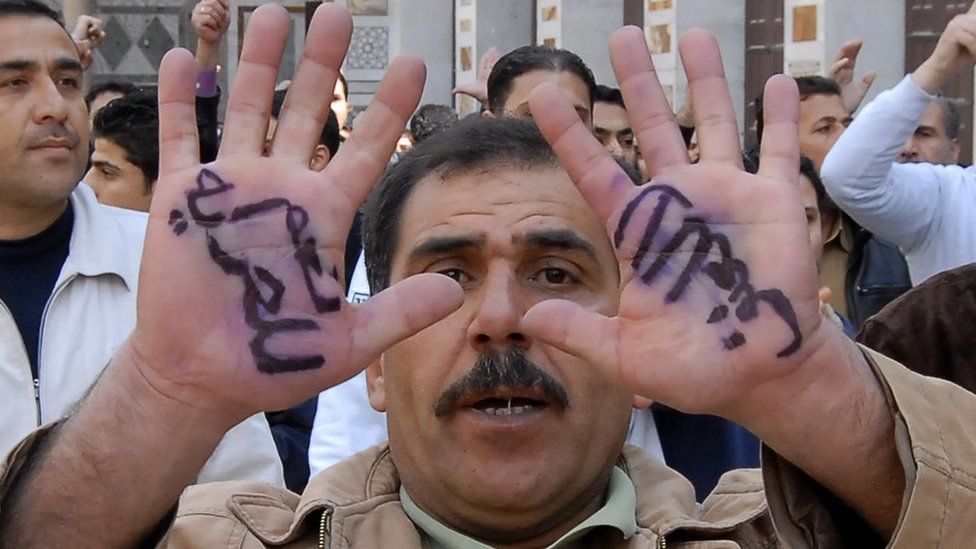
<point x="726" y="272"/>
<point x="263" y="290"/>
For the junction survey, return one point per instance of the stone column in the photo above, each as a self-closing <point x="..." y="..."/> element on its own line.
<point x="586" y="28"/>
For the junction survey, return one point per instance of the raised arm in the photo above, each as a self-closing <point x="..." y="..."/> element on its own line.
<point x="719" y="311"/>
<point x="240" y="308"/>
<point x="898" y="202"/>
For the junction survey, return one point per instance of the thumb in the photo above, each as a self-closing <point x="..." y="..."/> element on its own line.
<point x="575" y="330"/>
<point x="401" y="311"/>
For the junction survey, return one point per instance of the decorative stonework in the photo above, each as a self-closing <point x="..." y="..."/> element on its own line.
<point x="369" y="48"/>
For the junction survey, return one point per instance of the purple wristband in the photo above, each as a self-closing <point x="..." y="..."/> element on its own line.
<point x="206" y="83"/>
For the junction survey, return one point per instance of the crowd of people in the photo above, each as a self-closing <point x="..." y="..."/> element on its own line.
<point x="576" y="318"/>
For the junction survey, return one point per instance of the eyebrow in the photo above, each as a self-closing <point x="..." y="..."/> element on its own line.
<point x="561" y="240"/>
<point x="105" y="164"/>
<point x="67" y="64"/>
<point x="444" y="244"/>
<point x="607" y="130"/>
<point x="18" y="65"/>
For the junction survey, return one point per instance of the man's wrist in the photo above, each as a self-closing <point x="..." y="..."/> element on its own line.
<point x="206" y="55"/>
<point x="930" y="76"/>
<point x="128" y="378"/>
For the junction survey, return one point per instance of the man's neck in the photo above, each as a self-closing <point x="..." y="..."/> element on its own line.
<point x="19" y="222"/>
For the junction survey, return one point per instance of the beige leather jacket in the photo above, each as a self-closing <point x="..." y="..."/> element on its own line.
<point x="355" y="503"/>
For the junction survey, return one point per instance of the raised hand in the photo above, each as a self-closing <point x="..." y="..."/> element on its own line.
<point x="842" y="72"/>
<point x="718" y="283"/>
<point x="210" y="19"/>
<point x="479" y="89"/>
<point x="240" y="306"/>
<point x="955" y="50"/>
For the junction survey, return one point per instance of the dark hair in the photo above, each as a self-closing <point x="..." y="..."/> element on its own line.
<point x="30" y="8"/>
<point x="122" y="88"/>
<point x="606" y="94"/>
<point x="808" y="85"/>
<point x="529" y="58"/>
<point x="825" y="204"/>
<point x="950" y="116"/>
<point x="345" y="85"/>
<point x="472" y="144"/>
<point x="430" y="119"/>
<point x="330" y="132"/>
<point x="132" y="122"/>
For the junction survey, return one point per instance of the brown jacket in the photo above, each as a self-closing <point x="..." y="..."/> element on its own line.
<point x="355" y="503"/>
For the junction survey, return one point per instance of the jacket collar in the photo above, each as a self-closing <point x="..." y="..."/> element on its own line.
<point x="97" y="246"/>
<point x="665" y="499"/>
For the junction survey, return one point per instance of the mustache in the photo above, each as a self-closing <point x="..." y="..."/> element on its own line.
<point x="52" y="131"/>
<point x="494" y="370"/>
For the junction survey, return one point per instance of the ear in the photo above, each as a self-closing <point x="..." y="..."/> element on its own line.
<point x="642" y="403"/>
<point x="487" y="114"/>
<point x="956" y="149"/>
<point x="374" y="385"/>
<point x="320" y="158"/>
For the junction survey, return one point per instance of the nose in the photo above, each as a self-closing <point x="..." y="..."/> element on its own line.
<point x="613" y="147"/>
<point x="498" y="320"/>
<point x="50" y="105"/>
<point x="909" y="150"/>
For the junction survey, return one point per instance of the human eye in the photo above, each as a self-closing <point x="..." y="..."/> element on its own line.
<point x="69" y="82"/>
<point x="16" y="82"/>
<point x="555" y="274"/>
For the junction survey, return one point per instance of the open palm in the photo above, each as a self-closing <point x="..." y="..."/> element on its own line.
<point x="719" y="294"/>
<point x="240" y="297"/>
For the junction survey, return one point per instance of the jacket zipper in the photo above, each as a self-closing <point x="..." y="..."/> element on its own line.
<point x="40" y="345"/>
<point x="325" y="525"/>
<point x="662" y="542"/>
<point x="36" y="382"/>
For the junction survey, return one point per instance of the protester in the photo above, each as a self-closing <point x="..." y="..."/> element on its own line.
<point x="533" y="454"/>
<point x="124" y="162"/>
<point x="611" y="126"/>
<point x="519" y="71"/>
<point x="69" y="266"/>
<point x="101" y="94"/>
<point x="862" y="272"/>
<point x="936" y="139"/>
<point x="925" y="209"/>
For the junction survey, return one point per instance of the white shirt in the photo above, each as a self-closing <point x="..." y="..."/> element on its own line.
<point x="927" y="210"/>
<point x="90" y="313"/>
<point x="345" y="423"/>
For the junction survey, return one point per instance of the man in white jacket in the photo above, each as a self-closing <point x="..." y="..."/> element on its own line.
<point x="68" y="265"/>
<point x="925" y="209"/>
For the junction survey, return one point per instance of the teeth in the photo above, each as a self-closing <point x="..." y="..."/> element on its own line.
<point x="511" y="410"/>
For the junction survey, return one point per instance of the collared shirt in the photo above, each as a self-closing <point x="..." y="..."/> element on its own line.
<point x="618" y="512"/>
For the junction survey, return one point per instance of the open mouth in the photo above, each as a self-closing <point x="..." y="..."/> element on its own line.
<point x="508" y="406"/>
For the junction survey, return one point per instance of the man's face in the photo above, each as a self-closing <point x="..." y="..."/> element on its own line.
<point x="100" y="101"/>
<point x="115" y="180"/>
<point x="512" y="238"/>
<point x="573" y="87"/>
<point x="612" y="127"/>
<point x="930" y="142"/>
<point x="809" y="196"/>
<point x="823" y="119"/>
<point x="340" y="103"/>
<point x="44" y="143"/>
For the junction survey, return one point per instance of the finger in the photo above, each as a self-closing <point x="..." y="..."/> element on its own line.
<point x="779" y="153"/>
<point x="836" y="68"/>
<point x="972" y="8"/>
<point x="246" y="122"/>
<point x="366" y="152"/>
<point x="400" y="311"/>
<point x="575" y="330"/>
<point x="596" y="174"/>
<point x="648" y="110"/>
<point x="179" y="144"/>
<point x="868" y="81"/>
<point x="718" y="131"/>
<point x="306" y="108"/>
